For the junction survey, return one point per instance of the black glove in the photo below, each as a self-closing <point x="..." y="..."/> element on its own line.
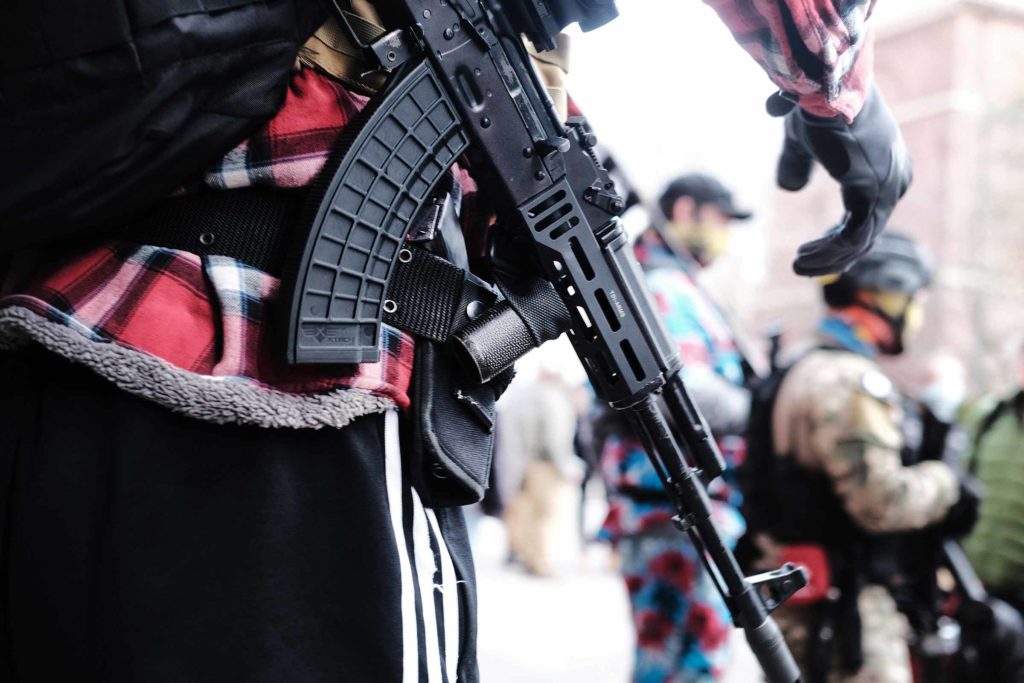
<point x="869" y="160"/>
<point x="964" y="513"/>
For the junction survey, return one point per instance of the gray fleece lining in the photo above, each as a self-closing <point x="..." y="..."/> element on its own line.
<point x="219" y="400"/>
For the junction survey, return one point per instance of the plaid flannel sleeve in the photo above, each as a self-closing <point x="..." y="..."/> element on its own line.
<point x="817" y="50"/>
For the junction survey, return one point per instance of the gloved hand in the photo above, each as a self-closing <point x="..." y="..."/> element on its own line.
<point x="964" y="513"/>
<point x="869" y="160"/>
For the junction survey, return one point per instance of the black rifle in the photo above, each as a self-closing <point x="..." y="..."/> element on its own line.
<point x="659" y="222"/>
<point x="463" y="84"/>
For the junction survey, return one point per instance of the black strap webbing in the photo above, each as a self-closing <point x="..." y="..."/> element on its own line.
<point x="429" y="296"/>
<point x="987" y="423"/>
<point x="251" y="224"/>
<point x="425" y="291"/>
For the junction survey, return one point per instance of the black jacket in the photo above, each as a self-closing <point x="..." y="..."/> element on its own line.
<point x="107" y="105"/>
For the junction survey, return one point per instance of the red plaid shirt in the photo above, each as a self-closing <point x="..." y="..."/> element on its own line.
<point x="824" y="59"/>
<point x="207" y="317"/>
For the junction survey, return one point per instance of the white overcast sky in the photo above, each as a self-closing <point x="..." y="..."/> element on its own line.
<point x="669" y="91"/>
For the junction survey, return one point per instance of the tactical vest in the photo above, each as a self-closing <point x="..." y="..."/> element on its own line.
<point x="796" y="505"/>
<point x="792" y="503"/>
<point x="108" y="105"/>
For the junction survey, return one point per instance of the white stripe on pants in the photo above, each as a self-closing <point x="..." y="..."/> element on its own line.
<point x="423" y="521"/>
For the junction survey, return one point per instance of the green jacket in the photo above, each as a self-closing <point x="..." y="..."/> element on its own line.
<point x="996" y="546"/>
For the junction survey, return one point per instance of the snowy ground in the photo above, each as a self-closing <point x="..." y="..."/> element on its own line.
<point x="573" y="628"/>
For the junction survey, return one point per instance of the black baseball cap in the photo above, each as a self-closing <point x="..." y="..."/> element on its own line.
<point x="703" y="189"/>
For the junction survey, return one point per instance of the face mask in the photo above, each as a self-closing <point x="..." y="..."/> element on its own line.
<point x="704" y="240"/>
<point x="913" y="319"/>
<point x="903" y="313"/>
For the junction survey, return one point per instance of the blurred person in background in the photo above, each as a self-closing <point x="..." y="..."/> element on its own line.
<point x="961" y="630"/>
<point x="587" y="449"/>
<point x="681" y="623"/>
<point x="996" y="546"/>
<point x="932" y="425"/>
<point x="537" y="424"/>
<point x="827" y="483"/>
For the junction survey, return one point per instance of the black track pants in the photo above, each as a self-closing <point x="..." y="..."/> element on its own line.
<point x="140" y="545"/>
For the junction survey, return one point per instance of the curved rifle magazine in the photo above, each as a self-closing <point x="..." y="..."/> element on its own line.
<point x="386" y="165"/>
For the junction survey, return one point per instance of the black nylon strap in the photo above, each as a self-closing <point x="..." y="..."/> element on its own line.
<point x="431" y="297"/>
<point x="250" y="224"/>
<point x="429" y="294"/>
<point x="987" y="423"/>
<point x="425" y="291"/>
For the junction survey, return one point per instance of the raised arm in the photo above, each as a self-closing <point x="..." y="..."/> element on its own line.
<point x="818" y="52"/>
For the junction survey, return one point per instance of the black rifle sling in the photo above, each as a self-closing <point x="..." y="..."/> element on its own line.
<point x="251" y="224"/>
<point x="431" y="297"/>
<point x="984" y="426"/>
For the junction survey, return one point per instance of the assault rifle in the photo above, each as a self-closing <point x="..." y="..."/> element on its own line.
<point x="462" y="84"/>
